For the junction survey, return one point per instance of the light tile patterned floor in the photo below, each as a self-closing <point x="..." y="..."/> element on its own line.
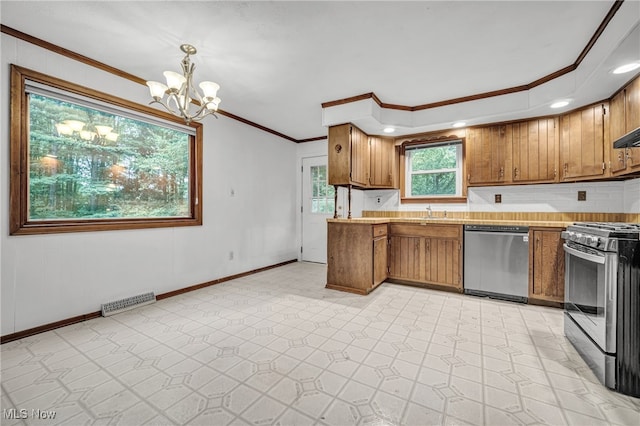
<point x="278" y="348"/>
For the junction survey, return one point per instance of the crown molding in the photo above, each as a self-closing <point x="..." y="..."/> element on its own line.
<point x="120" y="73"/>
<point x="559" y="73"/>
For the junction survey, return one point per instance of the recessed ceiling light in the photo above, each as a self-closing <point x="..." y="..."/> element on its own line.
<point x="627" y="68"/>
<point x="559" y="104"/>
<point x="389" y="130"/>
<point x="459" y="124"/>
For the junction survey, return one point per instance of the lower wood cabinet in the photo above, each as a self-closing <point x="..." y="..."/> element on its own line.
<point x="360" y="256"/>
<point x="356" y="256"/>
<point x="546" y="266"/>
<point x="427" y="254"/>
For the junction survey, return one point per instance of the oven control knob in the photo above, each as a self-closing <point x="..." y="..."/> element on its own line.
<point x="595" y="241"/>
<point x="582" y="239"/>
<point x="588" y="240"/>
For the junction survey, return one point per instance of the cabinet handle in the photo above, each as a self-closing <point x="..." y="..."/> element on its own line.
<point x="501" y="172"/>
<point x="515" y="172"/>
<point x="628" y="152"/>
<point x="555" y="173"/>
<point x="566" y="169"/>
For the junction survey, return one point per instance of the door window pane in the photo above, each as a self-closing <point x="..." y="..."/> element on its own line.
<point x="323" y="195"/>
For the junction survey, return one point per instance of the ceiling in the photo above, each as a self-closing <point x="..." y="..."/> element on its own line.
<point x="277" y="62"/>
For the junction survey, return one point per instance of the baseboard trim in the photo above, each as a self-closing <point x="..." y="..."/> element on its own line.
<point x="221" y="280"/>
<point x="81" y="318"/>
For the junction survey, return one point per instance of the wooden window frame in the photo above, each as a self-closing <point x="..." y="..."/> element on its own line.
<point x="19" y="223"/>
<point x="404" y="199"/>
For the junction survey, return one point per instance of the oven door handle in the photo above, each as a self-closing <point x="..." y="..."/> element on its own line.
<point x="582" y="255"/>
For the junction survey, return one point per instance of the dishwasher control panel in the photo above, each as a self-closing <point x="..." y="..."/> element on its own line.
<point x="497" y="228"/>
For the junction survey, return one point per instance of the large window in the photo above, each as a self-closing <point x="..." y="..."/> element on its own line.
<point x="433" y="170"/>
<point x="84" y="161"/>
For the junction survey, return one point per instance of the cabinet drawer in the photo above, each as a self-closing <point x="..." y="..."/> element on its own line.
<point x="426" y="230"/>
<point x="379" y="230"/>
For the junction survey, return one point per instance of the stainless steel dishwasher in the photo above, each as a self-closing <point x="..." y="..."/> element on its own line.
<point x="496" y="261"/>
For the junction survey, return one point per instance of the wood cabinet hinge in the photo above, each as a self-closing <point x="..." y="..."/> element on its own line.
<point x="604" y="166"/>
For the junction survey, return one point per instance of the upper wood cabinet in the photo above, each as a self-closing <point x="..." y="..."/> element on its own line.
<point x="382" y="162"/>
<point x="348" y="156"/>
<point x="361" y="160"/>
<point x="625" y="117"/>
<point x="535" y="151"/>
<point x="487" y="155"/>
<point x="582" y="143"/>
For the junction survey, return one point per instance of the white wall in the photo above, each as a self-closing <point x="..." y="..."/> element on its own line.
<point x="602" y="197"/>
<point x="47" y="278"/>
<point x="632" y="196"/>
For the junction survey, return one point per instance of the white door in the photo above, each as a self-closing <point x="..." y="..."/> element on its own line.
<point x="317" y="205"/>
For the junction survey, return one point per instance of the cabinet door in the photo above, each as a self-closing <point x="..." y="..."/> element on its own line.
<point x="617" y="128"/>
<point x="546" y="278"/>
<point x="535" y="145"/>
<point x="404" y="257"/>
<point x="442" y="263"/>
<point x="632" y="107"/>
<point x="381" y="152"/>
<point x="359" y="157"/>
<point x="379" y="260"/>
<point x="349" y="257"/>
<point x="486" y="154"/>
<point x="632" y="118"/>
<point x="339" y="162"/>
<point x="582" y="143"/>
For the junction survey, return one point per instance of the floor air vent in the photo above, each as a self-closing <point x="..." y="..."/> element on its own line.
<point x="122" y="305"/>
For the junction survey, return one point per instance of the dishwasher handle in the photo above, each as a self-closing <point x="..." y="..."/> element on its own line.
<point x="497" y="229"/>
<point x="524" y="235"/>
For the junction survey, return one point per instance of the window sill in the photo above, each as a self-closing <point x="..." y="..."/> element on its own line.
<point x="432" y="200"/>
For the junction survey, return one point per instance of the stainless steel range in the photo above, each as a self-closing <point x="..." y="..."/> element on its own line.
<point x="602" y="300"/>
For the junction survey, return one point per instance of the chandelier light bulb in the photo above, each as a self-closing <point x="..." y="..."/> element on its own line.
<point x="75" y="125"/>
<point x="87" y="135"/>
<point x="213" y="104"/>
<point x="157" y="89"/>
<point x="174" y="81"/>
<point x="112" y="137"/>
<point x="63" y="129"/>
<point x="209" y="89"/>
<point x="103" y="130"/>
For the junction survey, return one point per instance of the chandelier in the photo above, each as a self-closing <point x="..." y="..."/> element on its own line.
<point x="180" y="91"/>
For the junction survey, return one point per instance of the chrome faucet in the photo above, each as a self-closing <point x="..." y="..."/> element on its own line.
<point x="429" y="212"/>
